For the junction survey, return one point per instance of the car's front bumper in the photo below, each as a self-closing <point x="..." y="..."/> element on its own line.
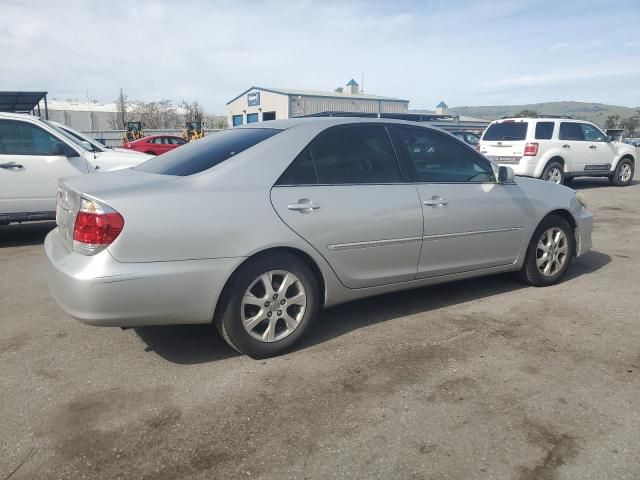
<point x="584" y="228"/>
<point x="98" y="290"/>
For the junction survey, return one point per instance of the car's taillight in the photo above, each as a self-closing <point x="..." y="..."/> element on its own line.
<point x="96" y="227"/>
<point x="530" y="149"/>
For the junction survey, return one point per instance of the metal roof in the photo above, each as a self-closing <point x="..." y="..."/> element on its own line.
<point x="352" y="82"/>
<point x="20" y="102"/>
<point x="414" y="117"/>
<point x="314" y="93"/>
<point x="442" y="105"/>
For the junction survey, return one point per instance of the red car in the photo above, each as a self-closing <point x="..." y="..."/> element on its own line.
<point x="155" y="144"/>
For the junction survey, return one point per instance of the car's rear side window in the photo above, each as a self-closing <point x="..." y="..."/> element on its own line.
<point x="506" y="131"/>
<point x="206" y="153"/>
<point x="544" y="130"/>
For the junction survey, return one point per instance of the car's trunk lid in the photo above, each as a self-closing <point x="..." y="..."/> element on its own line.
<point x="504" y="141"/>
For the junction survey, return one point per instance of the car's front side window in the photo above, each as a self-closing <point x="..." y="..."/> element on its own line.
<point x="355" y="155"/>
<point x="591" y="133"/>
<point x="23" y="138"/>
<point x="438" y="159"/>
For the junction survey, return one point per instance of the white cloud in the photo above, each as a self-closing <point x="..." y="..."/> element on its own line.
<point x="633" y="43"/>
<point x="559" y="46"/>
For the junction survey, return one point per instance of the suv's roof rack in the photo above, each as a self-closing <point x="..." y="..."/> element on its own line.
<point x="541" y="116"/>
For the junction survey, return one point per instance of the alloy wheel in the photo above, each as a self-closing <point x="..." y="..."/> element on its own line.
<point x="554" y="175"/>
<point x="273" y="306"/>
<point x="551" y="251"/>
<point x="625" y="173"/>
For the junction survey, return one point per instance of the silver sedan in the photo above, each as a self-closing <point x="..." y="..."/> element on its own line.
<point x="257" y="227"/>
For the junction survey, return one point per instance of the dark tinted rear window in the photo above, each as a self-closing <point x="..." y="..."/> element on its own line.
<point x="544" y="130"/>
<point x="506" y="131"/>
<point x="206" y="153"/>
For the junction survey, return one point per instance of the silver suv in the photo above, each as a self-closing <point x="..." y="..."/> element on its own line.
<point x="558" y="149"/>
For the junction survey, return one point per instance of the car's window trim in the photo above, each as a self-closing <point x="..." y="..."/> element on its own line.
<point x="412" y="168"/>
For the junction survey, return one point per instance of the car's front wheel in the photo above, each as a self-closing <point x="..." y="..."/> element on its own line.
<point x="268" y="305"/>
<point x="550" y="252"/>
<point x="554" y="172"/>
<point x="623" y="174"/>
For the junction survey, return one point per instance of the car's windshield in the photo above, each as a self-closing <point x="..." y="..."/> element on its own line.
<point x="506" y="131"/>
<point x="73" y="138"/>
<point x="99" y="147"/>
<point x="206" y="153"/>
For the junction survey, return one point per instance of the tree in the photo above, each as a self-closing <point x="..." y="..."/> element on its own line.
<point x="192" y="111"/>
<point x="630" y="125"/>
<point x="612" y="121"/>
<point x="121" y="117"/>
<point x="159" y="114"/>
<point x="527" y="113"/>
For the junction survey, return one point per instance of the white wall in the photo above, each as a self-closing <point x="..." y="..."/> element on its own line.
<point x="269" y="102"/>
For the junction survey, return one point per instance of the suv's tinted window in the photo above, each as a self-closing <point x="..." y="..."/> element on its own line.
<point x="544" y="130"/>
<point x="591" y="133"/>
<point x="206" y="153"/>
<point x="506" y="131"/>
<point x="570" y="131"/>
<point x="355" y="154"/>
<point x="22" y="138"/>
<point x="441" y="159"/>
<point x="300" y="172"/>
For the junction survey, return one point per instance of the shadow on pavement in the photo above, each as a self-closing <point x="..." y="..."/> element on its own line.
<point x="191" y="344"/>
<point x="23" y="234"/>
<point x="594" y="182"/>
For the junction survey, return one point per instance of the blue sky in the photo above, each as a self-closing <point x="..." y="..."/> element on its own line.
<point x="463" y="52"/>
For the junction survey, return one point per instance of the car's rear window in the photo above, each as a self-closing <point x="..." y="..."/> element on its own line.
<point x="207" y="152"/>
<point x="506" y="131"/>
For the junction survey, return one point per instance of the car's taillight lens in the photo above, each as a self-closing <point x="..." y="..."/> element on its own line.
<point x="96" y="227"/>
<point x="530" y="149"/>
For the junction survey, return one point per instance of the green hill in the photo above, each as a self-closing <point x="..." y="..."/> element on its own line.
<point x="593" y="112"/>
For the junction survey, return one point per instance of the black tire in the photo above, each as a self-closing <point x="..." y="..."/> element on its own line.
<point x="616" y="179"/>
<point x="530" y="273"/>
<point x="549" y="168"/>
<point x="228" y="318"/>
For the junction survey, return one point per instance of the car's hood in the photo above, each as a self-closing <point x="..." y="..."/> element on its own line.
<point x="115" y="160"/>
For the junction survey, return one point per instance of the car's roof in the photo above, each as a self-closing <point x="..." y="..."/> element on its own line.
<point x="543" y="119"/>
<point x="23" y="116"/>
<point x="285" y="124"/>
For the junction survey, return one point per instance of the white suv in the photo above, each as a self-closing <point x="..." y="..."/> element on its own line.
<point x="558" y="149"/>
<point x="34" y="154"/>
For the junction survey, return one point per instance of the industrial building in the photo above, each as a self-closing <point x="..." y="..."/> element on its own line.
<point x="258" y="104"/>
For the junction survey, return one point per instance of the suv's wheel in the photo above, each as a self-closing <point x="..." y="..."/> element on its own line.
<point x="623" y="174"/>
<point x="550" y="252"/>
<point x="270" y="302"/>
<point x="554" y="172"/>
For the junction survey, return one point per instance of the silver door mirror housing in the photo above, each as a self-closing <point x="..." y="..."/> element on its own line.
<point x="505" y="174"/>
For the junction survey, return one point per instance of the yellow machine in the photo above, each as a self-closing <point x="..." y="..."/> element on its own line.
<point x="193" y="131"/>
<point x="133" y="131"/>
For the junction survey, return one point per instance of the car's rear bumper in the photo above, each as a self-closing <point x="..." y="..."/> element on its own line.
<point x="98" y="290"/>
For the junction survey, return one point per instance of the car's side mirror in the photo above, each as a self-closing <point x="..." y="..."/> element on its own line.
<point x="505" y="174"/>
<point x="609" y="139"/>
<point x="59" y="148"/>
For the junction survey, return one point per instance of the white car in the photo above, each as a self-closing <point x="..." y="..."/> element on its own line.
<point x="34" y="154"/>
<point x="558" y="149"/>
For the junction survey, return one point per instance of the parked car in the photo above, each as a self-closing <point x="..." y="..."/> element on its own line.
<point x="635" y="142"/>
<point x="155" y="144"/>
<point x="468" y="137"/>
<point x="257" y="227"/>
<point x="558" y="149"/>
<point x="34" y="154"/>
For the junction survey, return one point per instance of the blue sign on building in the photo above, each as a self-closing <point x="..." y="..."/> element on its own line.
<point x="253" y="99"/>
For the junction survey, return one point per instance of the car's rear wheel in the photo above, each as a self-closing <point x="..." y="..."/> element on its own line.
<point x="623" y="174"/>
<point x="550" y="252"/>
<point x="268" y="305"/>
<point x="554" y="172"/>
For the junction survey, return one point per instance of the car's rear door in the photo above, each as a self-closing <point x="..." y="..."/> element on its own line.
<point x="470" y="221"/>
<point x="347" y="195"/>
<point x="29" y="171"/>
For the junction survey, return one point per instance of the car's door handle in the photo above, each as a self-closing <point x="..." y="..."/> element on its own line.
<point x="11" y="165"/>
<point x="435" y="201"/>
<point x="304" y="205"/>
<point x="566" y="146"/>
<point x="592" y="147"/>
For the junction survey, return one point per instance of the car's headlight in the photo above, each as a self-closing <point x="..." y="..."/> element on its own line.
<point x="582" y="200"/>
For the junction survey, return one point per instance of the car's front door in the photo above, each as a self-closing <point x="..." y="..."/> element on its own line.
<point x="470" y="221"/>
<point x="347" y="196"/>
<point x="600" y="153"/>
<point x="29" y="171"/>
<point x="575" y="149"/>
